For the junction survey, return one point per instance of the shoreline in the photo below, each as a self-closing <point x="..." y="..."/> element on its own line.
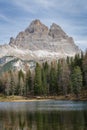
<point x="38" y="98"/>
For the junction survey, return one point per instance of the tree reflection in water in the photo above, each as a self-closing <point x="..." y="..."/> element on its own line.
<point x="43" y="120"/>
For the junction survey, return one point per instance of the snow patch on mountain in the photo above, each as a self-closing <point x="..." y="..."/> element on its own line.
<point x="38" y="42"/>
<point x="29" y="54"/>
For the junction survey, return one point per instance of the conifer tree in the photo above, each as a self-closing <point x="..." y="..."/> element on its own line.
<point x="53" y="80"/>
<point x="84" y="66"/>
<point x="21" y="83"/>
<point x="1" y="86"/>
<point x="59" y="78"/>
<point x="28" y="83"/>
<point x="12" y="85"/>
<point x="46" y="69"/>
<point x="65" y="77"/>
<point x="44" y="82"/>
<point x="38" y="80"/>
<point x="77" y="80"/>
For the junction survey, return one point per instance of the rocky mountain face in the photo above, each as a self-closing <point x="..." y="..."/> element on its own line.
<point x="8" y="63"/>
<point x="40" y="43"/>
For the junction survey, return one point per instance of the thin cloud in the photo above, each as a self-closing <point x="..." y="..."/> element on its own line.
<point x="30" y="5"/>
<point x="25" y="5"/>
<point x="71" y="15"/>
<point x="4" y="18"/>
<point x="45" y="3"/>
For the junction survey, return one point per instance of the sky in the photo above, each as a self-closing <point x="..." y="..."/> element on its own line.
<point x="71" y="15"/>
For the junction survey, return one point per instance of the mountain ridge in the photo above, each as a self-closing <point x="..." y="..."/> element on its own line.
<point x="38" y="42"/>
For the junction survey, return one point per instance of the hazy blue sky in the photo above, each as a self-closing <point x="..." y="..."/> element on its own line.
<point x="71" y="15"/>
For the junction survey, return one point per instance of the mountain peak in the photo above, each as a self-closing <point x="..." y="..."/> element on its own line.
<point x="38" y="42"/>
<point x="36" y="22"/>
<point x="54" y="25"/>
<point x="56" y="31"/>
<point x="36" y="26"/>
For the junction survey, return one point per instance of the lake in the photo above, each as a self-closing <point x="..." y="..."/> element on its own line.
<point x="43" y="115"/>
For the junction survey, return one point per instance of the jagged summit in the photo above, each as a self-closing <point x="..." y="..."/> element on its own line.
<point x="36" y="27"/>
<point x="57" y="32"/>
<point x="38" y="42"/>
<point x="36" y="22"/>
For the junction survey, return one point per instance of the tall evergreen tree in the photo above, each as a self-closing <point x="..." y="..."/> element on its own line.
<point x="46" y="69"/>
<point x="21" y="86"/>
<point x="12" y="83"/>
<point x="59" y="78"/>
<point x="85" y="69"/>
<point x="44" y="82"/>
<point x="1" y="86"/>
<point x="38" y="80"/>
<point x="28" y="83"/>
<point x="65" y="77"/>
<point x="53" y="80"/>
<point x="77" y="80"/>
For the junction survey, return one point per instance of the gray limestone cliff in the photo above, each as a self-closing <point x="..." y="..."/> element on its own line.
<point x="38" y="41"/>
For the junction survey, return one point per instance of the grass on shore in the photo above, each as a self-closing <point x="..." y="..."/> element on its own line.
<point x="4" y="98"/>
<point x="13" y="98"/>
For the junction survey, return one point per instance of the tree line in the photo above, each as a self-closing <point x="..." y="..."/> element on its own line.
<point x="62" y="77"/>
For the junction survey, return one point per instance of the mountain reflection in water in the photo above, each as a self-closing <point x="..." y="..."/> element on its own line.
<point x="46" y="115"/>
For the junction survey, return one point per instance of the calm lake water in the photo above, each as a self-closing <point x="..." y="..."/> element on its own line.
<point x="43" y="115"/>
